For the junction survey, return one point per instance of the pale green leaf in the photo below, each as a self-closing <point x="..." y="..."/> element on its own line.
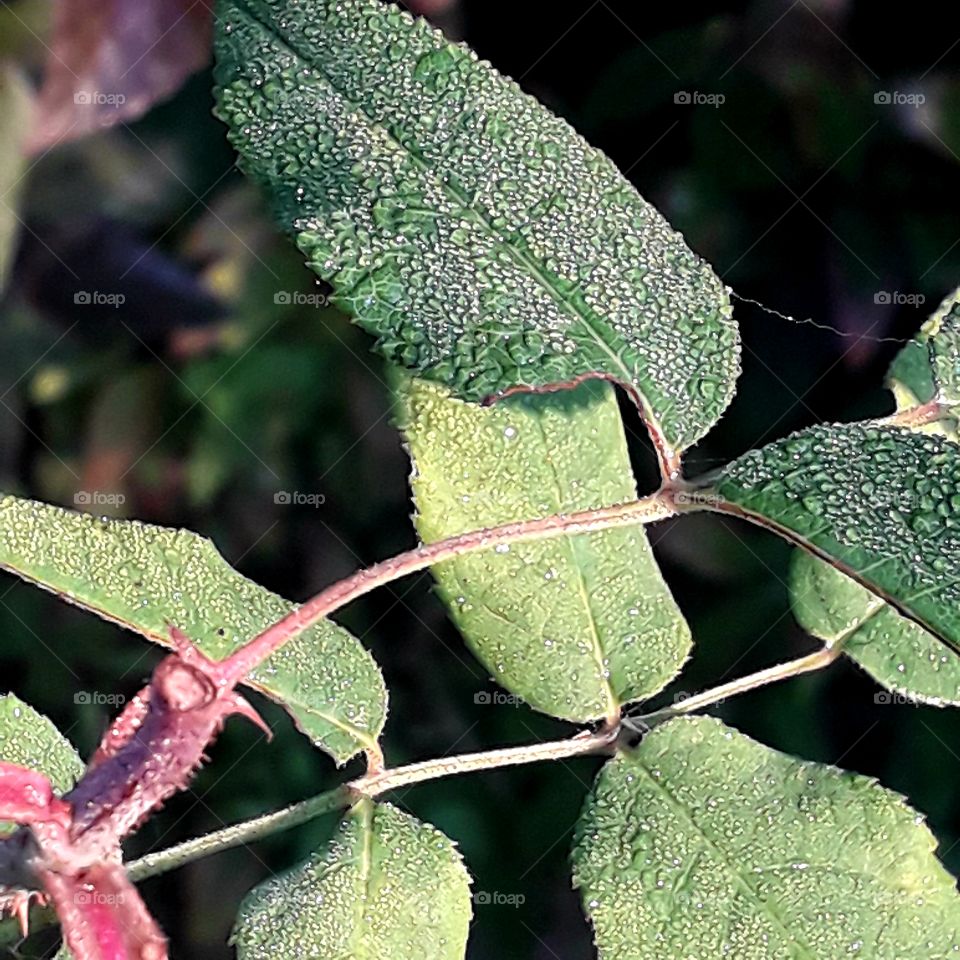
<point x="146" y="577"/>
<point x="702" y="843"/>
<point x="387" y="887"/>
<point x="577" y="625"/>
<point x="15" y="104"/>
<point x="899" y="654"/>
<point x="481" y="240"/>
<point x="881" y="503"/>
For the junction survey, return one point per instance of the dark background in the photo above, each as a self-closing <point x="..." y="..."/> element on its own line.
<point x="201" y="397"/>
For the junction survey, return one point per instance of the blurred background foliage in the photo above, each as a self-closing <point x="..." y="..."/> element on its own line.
<point x="824" y="185"/>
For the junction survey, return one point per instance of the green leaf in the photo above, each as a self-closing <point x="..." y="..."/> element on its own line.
<point x="881" y="503"/>
<point x="387" y="887"/>
<point x="897" y="653"/>
<point x="574" y="625"/>
<point x="928" y="367"/>
<point x="29" y="739"/>
<point x="145" y="578"/>
<point x="481" y="240"/>
<point x="14" y="127"/>
<point x="703" y="843"/>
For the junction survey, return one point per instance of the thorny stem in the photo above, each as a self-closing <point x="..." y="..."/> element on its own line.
<point x="658" y="506"/>
<point x="370" y="785"/>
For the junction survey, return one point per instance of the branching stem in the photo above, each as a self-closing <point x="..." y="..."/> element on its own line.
<point x="370" y="785"/>
<point x="782" y="671"/>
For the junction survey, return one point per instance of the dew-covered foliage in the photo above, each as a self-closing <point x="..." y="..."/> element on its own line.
<point x="475" y="235"/>
<point x="385" y="886"/>
<point x="575" y="626"/>
<point x="704" y="843"/>
<point x="882" y="501"/>
<point x="512" y="279"/>
<point x="147" y="578"/>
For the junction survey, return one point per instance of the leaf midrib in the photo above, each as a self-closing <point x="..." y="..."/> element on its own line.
<point x="517" y="254"/>
<point x="731" y="868"/>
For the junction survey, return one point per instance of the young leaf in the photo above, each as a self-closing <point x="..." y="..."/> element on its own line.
<point x="704" y="843"/>
<point x="146" y="578"/>
<point x="574" y="625"/>
<point x="482" y="241"/>
<point x="897" y="653"/>
<point x="29" y="739"/>
<point x="928" y="367"/>
<point x="387" y="886"/>
<point x="882" y="503"/>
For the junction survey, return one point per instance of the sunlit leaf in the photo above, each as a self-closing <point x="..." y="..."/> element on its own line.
<point x="387" y="887"/>
<point x="482" y="242"/>
<point x="882" y="503"/>
<point x="576" y="626"/>
<point x="145" y="578"/>
<point x="703" y="843"/>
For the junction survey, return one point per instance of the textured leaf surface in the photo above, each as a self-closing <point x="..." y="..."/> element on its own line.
<point x="574" y="625"/>
<point x="145" y="578"/>
<point x="478" y="238"/>
<point x="29" y="739"/>
<point x="881" y="502"/>
<point x="898" y="653"/>
<point x="703" y="843"/>
<point x="895" y="651"/>
<point x="387" y="887"/>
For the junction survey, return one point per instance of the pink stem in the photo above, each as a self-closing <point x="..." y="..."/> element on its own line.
<point x="239" y="664"/>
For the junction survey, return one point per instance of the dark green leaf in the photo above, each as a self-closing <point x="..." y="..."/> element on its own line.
<point x="472" y="232"/>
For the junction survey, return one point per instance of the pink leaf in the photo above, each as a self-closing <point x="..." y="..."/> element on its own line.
<point x="110" y="60"/>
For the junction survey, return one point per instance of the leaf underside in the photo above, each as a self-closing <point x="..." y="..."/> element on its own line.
<point x="703" y="843"/>
<point x="576" y="626"/>
<point x="474" y="234"/>
<point x="898" y="653"/>
<point x="387" y="887"/>
<point x="146" y="578"/>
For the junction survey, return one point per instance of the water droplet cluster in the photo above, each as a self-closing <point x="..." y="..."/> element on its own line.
<point x="882" y="500"/>
<point x="703" y="843"/>
<point x="386" y="885"/>
<point x="146" y="577"/>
